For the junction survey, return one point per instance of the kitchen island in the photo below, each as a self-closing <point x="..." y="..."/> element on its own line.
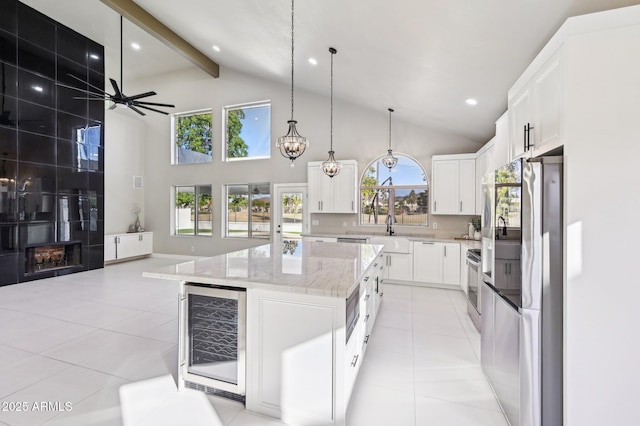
<point x="310" y="309"/>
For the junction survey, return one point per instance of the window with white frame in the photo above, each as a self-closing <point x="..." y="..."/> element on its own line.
<point x="248" y="211"/>
<point x="193" y="210"/>
<point x="404" y="187"/>
<point x="247" y="131"/>
<point x="192" y="137"/>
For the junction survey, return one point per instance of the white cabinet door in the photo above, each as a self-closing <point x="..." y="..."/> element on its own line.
<point x="332" y="195"/>
<point x="451" y="264"/>
<point x="128" y="245"/>
<point x="146" y="243"/>
<point x="344" y="189"/>
<point x="400" y="266"/>
<point x="464" y="269"/>
<point x="520" y="115"/>
<point x="427" y="265"/>
<point x="110" y="247"/>
<point x="548" y="105"/>
<point x="445" y="182"/>
<point x="318" y="192"/>
<point x="467" y="186"/>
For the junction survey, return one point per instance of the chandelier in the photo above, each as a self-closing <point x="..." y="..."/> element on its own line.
<point x="331" y="167"/>
<point x="292" y="145"/>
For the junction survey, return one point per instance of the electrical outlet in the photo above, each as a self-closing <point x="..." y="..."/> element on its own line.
<point x="435" y="225"/>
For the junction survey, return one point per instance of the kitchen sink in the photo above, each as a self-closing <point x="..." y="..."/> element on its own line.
<point x="507" y="249"/>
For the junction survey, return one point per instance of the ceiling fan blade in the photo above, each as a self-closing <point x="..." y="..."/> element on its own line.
<point x="91" y="99"/>
<point x="150" y="109"/>
<point x="86" y="82"/>
<point x="136" y="109"/>
<point x="83" y="90"/>
<point x="115" y="87"/>
<point x="155" y="104"/>
<point x="141" y="95"/>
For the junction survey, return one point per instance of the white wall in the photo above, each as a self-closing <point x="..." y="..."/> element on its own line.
<point x="124" y="158"/>
<point x="358" y="133"/>
<point x="602" y="348"/>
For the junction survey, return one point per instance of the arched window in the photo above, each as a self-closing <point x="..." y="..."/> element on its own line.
<point x="405" y="187"/>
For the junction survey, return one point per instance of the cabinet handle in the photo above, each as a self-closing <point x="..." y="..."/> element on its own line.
<point x="509" y="267"/>
<point x="352" y="208"/>
<point x="366" y="298"/>
<point x="435" y="206"/>
<point x="355" y="360"/>
<point x="366" y="278"/>
<point x="445" y="251"/>
<point x="366" y="318"/>
<point x="527" y="136"/>
<point x="461" y="206"/>
<point x="524" y="141"/>
<point x="366" y="339"/>
<point x="181" y="342"/>
<point x="505" y="269"/>
<point x="425" y="244"/>
<point x="375" y="264"/>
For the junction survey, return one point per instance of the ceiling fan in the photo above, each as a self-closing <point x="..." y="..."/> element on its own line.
<point x="119" y="98"/>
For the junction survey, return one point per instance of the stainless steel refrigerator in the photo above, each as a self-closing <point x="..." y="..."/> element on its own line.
<point x="521" y="341"/>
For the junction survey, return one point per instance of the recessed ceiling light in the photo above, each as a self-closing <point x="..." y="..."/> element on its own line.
<point x="471" y="102"/>
<point x="94" y="56"/>
<point x="216" y="48"/>
<point x="135" y="46"/>
<point x="37" y="88"/>
<point x="313" y="61"/>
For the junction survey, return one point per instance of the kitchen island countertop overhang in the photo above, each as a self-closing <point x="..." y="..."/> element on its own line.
<point x="312" y="268"/>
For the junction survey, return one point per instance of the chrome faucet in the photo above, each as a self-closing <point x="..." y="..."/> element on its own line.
<point x="504" y="225"/>
<point x="389" y="224"/>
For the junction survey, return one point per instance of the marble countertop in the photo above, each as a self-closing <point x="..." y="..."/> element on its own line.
<point x="323" y="269"/>
<point x="411" y="237"/>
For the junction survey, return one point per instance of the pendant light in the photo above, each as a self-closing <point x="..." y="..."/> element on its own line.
<point x="292" y="145"/>
<point x="331" y="167"/>
<point x="389" y="160"/>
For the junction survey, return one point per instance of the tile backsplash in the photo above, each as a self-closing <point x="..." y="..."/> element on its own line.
<point x="447" y="226"/>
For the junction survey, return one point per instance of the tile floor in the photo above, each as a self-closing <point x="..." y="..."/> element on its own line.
<point x="104" y="343"/>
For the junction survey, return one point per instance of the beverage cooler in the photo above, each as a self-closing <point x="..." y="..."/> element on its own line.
<point x="212" y="340"/>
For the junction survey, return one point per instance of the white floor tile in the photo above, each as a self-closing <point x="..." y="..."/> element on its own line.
<point x="395" y="291"/>
<point x="27" y="371"/>
<point x="100" y="409"/>
<point x="446" y="325"/>
<point x="227" y="409"/>
<point x="9" y="355"/>
<point x="394" y="370"/>
<point x="394" y="319"/>
<point x="55" y="334"/>
<point x="141" y="323"/>
<point x="247" y="418"/>
<point x="63" y="390"/>
<point x="374" y="405"/>
<point x="436" y="412"/>
<point x="430" y="294"/>
<point x="391" y="340"/>
<point x="438" y="346"/>
<point x="110" y="352"/>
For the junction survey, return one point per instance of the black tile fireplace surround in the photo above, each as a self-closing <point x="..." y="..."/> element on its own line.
<point x="51" y="148"/>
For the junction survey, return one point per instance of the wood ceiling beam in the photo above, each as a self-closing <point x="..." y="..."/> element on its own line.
<point x="150" y="24"/>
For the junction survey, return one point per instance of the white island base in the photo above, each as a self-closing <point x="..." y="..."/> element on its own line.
<point x="299" y="366"/>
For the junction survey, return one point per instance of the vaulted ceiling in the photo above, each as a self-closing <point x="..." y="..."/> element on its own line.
<point x="424" y="58"/>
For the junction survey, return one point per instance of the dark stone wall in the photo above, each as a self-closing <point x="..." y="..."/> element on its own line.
<point x="51" y="144"/>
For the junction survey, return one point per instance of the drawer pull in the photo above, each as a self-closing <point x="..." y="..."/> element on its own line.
<point x="355" y="360"/>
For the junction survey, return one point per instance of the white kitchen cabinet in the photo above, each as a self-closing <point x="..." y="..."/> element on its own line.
<point x="398" y="258"/>
<point x="464" y="269"/>
<point x="127" y="246"/>
<point x="536" y="111"/>
<point x="333" y="195"/>
<point x="436" y="262"/>
<point x="482" y="167"/>
<point x="428" y="264"/>
<point x="453" y="184"/>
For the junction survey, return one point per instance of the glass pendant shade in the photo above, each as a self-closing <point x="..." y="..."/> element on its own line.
<point x="292" y="145"/>
<point x="389" y="160"/>
<point x="331" y="167"/>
